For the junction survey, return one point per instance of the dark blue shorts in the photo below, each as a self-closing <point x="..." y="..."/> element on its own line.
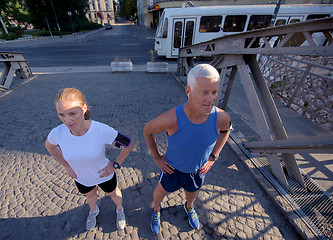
<point x="191" y="182"/>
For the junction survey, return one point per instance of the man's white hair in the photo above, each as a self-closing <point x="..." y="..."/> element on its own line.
<point x="202" y="71"/>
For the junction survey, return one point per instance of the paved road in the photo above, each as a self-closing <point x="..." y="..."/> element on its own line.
<point x="98" y="48"/>
<point x="39" y="201"/>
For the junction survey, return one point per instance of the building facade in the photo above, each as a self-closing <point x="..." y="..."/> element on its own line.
<point x="149" y="11"/>
<point x="101" y="11"/>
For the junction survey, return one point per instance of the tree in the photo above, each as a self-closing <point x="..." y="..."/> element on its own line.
<point x="13" y="9"/>
<point x="39" y="9"/>
<point x="128" y="8"/>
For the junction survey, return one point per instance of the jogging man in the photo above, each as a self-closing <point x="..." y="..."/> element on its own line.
<point x="197" y="132"/>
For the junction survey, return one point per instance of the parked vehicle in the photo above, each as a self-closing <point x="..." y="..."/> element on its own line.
<point x="108" y="27"/>
<point x="181" y="27"/>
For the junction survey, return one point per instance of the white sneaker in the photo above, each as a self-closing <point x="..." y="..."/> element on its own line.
<point x="121" y="220"/>
<point x="91" y="219"/>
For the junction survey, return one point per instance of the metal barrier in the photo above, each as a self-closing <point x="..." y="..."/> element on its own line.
<point x="302" y="84"/>
<point x="15" y="64"/>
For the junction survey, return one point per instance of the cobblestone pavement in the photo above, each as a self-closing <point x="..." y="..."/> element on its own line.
<point x="39" y="201"/>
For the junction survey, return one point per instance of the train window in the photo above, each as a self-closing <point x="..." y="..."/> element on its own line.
<point x="165" y="29"/>
<point x="259" y="21"/>
<point x="210" y="24"/>
<point x="317" y="16"/>
<point x="280" y="22"/>
<point x="177" y="39"/>
<point x="159" y="28"/>
<point x="295" y="20"/>
<point x="234" y="23"/>
<point x="189" y="33"/>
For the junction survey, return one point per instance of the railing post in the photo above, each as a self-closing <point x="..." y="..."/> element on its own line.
<point x="222" y="103"/>
<point x="274" y="117"/>
<point x="260" y="120"/>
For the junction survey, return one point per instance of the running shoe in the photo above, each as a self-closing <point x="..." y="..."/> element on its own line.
<point x="91" y="219"/>
<point x="193" y="219"/>
<point x="155" y="222"/>
<point x="121" y="220"/>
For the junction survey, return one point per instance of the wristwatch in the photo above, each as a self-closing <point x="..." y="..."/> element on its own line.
<point x="213" y="156"/>
<point x="116" y="165"/>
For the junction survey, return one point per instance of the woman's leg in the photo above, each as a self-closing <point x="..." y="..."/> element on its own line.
<point x="92" y="199"/>
<point x="117" y="198"/>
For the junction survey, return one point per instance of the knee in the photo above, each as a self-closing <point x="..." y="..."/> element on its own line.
<point x="115" y="192"/>
<point x="92" y="193"/>
<point x="160" y="191"/>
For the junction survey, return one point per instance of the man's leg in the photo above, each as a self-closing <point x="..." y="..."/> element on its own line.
<point x="159" y="195"/>
<point x="193" y="219"/>
<point x="190" y="198"/>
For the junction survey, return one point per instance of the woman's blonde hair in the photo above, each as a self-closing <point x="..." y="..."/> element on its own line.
<point x="72" y="94"/>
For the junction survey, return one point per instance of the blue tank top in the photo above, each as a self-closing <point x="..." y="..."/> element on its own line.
<point x="189" y="148"/>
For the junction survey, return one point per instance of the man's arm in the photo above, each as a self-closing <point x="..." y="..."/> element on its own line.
<point x="164" y="122"/>
<point x="223" y="126"/>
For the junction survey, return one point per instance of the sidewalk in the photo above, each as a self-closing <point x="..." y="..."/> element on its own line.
<point x="39" y="200"/>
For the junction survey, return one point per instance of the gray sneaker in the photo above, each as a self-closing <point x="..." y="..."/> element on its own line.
<point x="121" y="221"/>
<point x="91" y="219"/>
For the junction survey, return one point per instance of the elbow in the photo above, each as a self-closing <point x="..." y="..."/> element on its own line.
<point x="131" y="145"/>
<point x="146" y="132"/>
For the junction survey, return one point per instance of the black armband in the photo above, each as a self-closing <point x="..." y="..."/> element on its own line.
<point x="229" y="129"/>
<point x="122" y="140"/>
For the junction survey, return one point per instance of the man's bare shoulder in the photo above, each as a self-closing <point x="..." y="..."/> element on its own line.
<point x="166" y="121"/>
<point x="223" y="118"/>
<point x="168" y="117"/>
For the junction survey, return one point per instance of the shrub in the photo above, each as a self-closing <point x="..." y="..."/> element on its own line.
<point x="13" y="33"/>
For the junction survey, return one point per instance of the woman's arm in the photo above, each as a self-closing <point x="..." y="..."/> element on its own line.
<point x="109" y="169"/>
<point x="56" y="153"/>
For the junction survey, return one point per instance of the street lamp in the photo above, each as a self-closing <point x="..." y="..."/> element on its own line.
<point x="70" y="17"/>
<point x="55" y="15"/>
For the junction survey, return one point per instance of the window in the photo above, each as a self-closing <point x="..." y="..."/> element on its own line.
<point x="177" y="39"/>
<point x="295" y="20"/>
<point x="165" y="29"/>
<point x="317" y="16"/>
<point x="280" y="22"/>
<point x="259" y="21"/>
<point x="189" y="33"/>
<point x="210" y="24"/>
<point x="234" y="23"/>
<point x="160" y="26"/>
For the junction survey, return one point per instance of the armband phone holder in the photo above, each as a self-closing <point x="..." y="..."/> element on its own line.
<point x="122" y="140"/>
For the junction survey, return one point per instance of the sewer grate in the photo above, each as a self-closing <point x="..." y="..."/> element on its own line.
<point x="313" y="204"/>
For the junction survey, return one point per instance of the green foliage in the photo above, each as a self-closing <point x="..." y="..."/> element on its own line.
<point x="86" y="25"/>
<point x="42" y="33"/>
<point x="128" y="8"/>
<point x="14" y="9"/>
<point x="39" y="9"/>
<point x="13" y="33"/>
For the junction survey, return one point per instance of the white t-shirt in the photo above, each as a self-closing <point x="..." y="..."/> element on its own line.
<point x="85" y="154"/>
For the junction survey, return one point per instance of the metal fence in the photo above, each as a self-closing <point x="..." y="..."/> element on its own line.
<point x="305" y="84"/>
